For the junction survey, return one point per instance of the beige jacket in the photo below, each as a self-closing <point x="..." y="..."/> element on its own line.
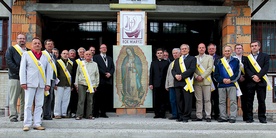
<point x="169" y="79"/>
<point x="207" y="62"/>
<point x="92" y="69"/>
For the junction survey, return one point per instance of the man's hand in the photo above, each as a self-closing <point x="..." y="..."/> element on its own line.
<point x="178" y="77"/>
<point x="199" y="78"/>
<point x="256" y="78"/>
<point x="226" y="81"/>
<point x="242" y="78"/>
<point x="151" y="87"/>
<point x="24" y="86"/>
<point x="47" y="88"/>
<point x="107" y="75"/>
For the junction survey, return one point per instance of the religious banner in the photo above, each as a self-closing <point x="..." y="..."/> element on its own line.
<point x="132" y="28"/>
<point x="132" y="65"/>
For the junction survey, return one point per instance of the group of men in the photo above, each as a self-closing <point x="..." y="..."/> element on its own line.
<point x="212" y="79"/>
<point x="62" y="87"/>
<point x="47" y="86"/>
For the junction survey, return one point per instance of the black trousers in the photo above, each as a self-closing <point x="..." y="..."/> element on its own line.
<point x="244" y="100"/>
<point x="215" y="103"/>
<point x="72" y="108"/>
<point x="184" y="101"/>
<point x="103" y="99"/>
<point x="261" y="95"/>
<point x="159" y="101"/>
<point x="48" y="102"/>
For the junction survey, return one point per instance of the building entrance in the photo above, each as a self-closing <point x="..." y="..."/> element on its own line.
<point x="72" y="34"/>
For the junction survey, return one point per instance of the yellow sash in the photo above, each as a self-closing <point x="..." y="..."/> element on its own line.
<point x="39" y="68"/>
<point x="202" y="70"/>
<point x="258" y="69"/>
<point x="86" y="76"/>
<point x="78" y="61"/>
<point x="18" y="49"/>
<point x="66" y="72"/>
<point x="230" y="73"/>
<point x="52" y="63"/>
<point x="70" y="62"/>
<point x="189" y="82"/>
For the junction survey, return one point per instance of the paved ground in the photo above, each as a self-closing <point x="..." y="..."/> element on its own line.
<point x="139" y="126"/>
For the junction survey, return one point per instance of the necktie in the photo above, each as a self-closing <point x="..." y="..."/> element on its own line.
<point x="104" y="57"/>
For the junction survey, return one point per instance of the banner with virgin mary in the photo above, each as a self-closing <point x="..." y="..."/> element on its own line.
<point x="131" y="77"/>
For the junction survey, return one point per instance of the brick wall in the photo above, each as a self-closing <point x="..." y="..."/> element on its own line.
<point x="4" y="87"/>
<point x="25" y="22"/>
<point x="236" y="27"/>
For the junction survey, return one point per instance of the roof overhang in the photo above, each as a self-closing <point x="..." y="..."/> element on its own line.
<point x="103" y="12"/>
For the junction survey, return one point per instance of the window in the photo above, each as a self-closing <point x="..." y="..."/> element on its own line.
<point x="112" y="26"/>
<point x="91" y="26"/>
<point x="174" y="28"/>
<point x="154" y="27"/>
<point x="265" y="32"/>
<point x="1" y="34"/>
<point x="3" y="41"/>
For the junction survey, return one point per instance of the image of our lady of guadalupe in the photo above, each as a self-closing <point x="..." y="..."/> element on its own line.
<point x="131" y="73"/>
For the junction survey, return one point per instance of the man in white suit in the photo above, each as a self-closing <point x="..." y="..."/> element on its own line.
<point x="35" y="78"/>
<point x="203" y="83"/>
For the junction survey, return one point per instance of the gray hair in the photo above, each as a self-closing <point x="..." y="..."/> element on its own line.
<point x="176" y="49"/>
<point x="185" y="45"/>
<point x="72" y="50"/>
<point x="81" y="48"/>
<point x="213" y="45"/>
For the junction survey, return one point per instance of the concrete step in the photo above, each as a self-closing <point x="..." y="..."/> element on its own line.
<point x="138" y="126"/>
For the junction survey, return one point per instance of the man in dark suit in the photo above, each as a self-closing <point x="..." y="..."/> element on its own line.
<point x="256" y="81"/>
<point x="183" y="71"/>
<point x="48" y="106"/>
<point x="242" y="81"/>
<point x="103" y="96"/>
<point x="158" y="73"/>
<point x="212" y="48"/>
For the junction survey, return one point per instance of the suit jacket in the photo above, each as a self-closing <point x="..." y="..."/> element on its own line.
<point x="29" y="73"/>
<point x="207" y="63"/>
<point x="263" y="61"/>
<point x="103" y="69"/>
<point x="190" y="63"/>
<point x="158" y="74"/>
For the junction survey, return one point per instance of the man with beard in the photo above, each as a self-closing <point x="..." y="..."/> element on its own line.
<point x="13" y="58"/>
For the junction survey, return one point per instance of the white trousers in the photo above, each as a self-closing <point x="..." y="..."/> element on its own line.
<point x="35" y="95"/>
<point x="62" y="99"/>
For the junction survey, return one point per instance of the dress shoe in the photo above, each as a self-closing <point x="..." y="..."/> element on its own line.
<point x="64" y="116"/>
<point x="104" y="116"/>
<point x="91" y="118"/>
<point x="232" y="121"/>
<point x="208" y="119"/>
<point x="57" y="117"/>
<point x="197" y="119"/>
<point x="14" y="120"/>
<point x="263" y="121"/>
<point x="47" y="118"/>
<point x="173" y="118"/>
<point x="156" y="116"/>
<point x="39" y="128"/>
<point x="22" y="119"/>
<point x="73" y="115"/>
<point x="78" y="118"/>
<point x="25" y="128"/>
<point x="185" y="121"/>
<point x="179" y="120"/>
<point x="249" y="121"/>
<point x="222" y="120"/>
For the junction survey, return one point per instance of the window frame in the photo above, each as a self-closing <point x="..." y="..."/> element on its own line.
<point x="4" y="42"/>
